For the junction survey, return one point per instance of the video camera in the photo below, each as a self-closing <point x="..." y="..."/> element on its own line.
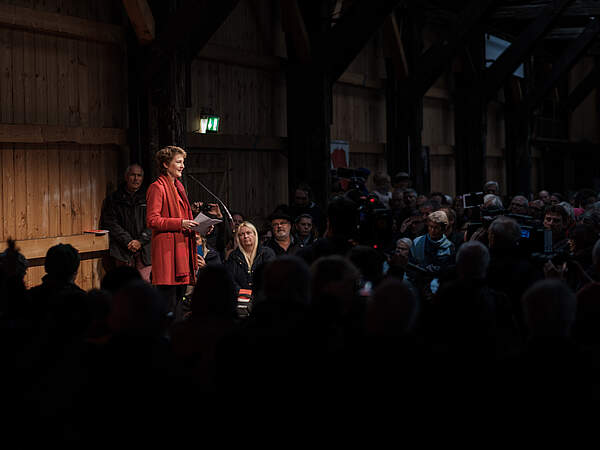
<point x="355" y="178"/>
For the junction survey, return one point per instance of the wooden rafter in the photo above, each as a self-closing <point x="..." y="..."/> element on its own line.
<point x="516" y="53"/>
<point x="393" y="40"/>
<point x="142" y="20"/>
<point x="564" y="63"/>
<point x="352" y="32"/>
<point x="584" y="88"/>
<point x="437" y="58"/>
<point x="295" y="28"/>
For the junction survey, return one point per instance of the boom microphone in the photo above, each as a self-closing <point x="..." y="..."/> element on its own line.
<point x="217" y="198"/>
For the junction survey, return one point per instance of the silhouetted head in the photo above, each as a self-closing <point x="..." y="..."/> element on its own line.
<point x="392" y="310"/>
<point x="472" y="261"/>
<point x="549" y="307"/>
<point x="62" y="262"/>
<point x="138" y="310"/>
<point x="214" y="294"/>
<point x="118" y="278"/>
<point x="286" y="280"/>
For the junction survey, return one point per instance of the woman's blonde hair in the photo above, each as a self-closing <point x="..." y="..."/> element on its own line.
<point x="252" y="254"/>
<point x="166" y="155"/>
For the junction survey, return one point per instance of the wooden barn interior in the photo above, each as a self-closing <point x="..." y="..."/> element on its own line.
<point x="89" y="86"/>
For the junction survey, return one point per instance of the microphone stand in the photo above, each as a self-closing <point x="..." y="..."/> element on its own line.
<point x="217" y="198"/>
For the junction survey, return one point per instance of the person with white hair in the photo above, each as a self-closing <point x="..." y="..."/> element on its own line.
<point x="433" y="252"/>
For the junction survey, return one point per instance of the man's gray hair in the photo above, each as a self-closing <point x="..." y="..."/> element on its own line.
<point x="131" y="166"/>
<point x="472" y="260"/>
<point x="405" y="240"/>
<point x="491" y="200"/>
<point x="506" y="231"/>
<point x="569" y="209"/>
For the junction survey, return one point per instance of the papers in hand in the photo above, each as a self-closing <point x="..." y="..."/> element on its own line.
<point x="204" y="223"/>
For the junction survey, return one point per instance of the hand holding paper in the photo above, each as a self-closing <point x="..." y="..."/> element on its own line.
<point x="204" y="223"/>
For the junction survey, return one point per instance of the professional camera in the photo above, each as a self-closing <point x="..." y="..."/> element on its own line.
<point x="354" y="178"/>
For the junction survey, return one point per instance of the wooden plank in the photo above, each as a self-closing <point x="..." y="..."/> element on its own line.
<point x="8" y="191"/>
<point x="197" y="140"/>
<point x="75" y="168"/>
<point x="36" y="177"/>
<point x="6" y="76"/>
<point x="84" y="243"/>
<point x="17" y="79"/>
<point x="66" y="223"/>
<point x="295" y="28"/>
<point x="40" y="134"/>
<point x="60" y="25"/>
<point x="394" y="43"/>
<point x="20" y="193"/>
<point x="41" y="80"/>
<point x="62" y="59"/>
<point x="29" y="88"/>
<point x="83" y="80"/>
<point x="141" y="18"/>
<point x="72" y="88"/>
<point x="94" y="86"/>
<point x="52" y="70"/>
<point x="54" y="191"/>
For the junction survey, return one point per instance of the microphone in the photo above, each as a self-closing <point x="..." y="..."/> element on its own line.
<point x="217" y="198"/>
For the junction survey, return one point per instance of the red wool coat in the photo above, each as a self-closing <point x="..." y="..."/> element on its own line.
<point x="173" y="249"/>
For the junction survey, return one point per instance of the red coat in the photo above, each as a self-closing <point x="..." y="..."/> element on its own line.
<point x="173" y="249"/>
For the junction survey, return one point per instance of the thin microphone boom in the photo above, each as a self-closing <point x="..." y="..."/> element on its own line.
<point x="217" y="198"/>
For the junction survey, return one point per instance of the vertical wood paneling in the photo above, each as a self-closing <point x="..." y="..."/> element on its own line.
<point x="6" y="76"/>
<point x="36" y="177"/>
<point x="72" y="91"/>
<point x="66" y="164"/>
<point x="17" y="78"/>
<point x="52" y="74"/>
<point x="93" y="85"/>
<point x="20" y="192"/>
<point x="54" y="190"/>
<point x="83" y="83"/>
<point x="8" y="191"/>
<point x="29" y="86"/>
<point x="41" y="79"/>
<point x="62" y="60"/>
<point x="76" y="185"/>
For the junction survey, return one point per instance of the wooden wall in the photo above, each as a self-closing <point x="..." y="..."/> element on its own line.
<point x="62" y="113"/>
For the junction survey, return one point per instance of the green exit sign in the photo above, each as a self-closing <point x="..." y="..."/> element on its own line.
<point x="213" y="124"/>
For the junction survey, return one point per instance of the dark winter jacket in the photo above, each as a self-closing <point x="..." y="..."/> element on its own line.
<point x="243" y="277"/>
<point x="124" y="215"/>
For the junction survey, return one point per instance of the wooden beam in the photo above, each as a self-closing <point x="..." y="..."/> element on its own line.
<point x="42" y="134"/>
<point x="235" y="142"/>
<point x="583" y="89"/>
<point x="84" y="243"/>
<point x="142" y="20"/>
<point x="508" y="61"/>
<point x="60" y="25"/>
<point x="192" y="25"/>
<point x="352" y="32"/>
<point x="564" y="63"/>
<point x="437" y="58"/>
<point x="295" y="29"/>
<point x="393" y="40"/>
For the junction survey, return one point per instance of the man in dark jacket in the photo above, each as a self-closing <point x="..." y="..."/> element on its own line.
<point x="282" y="242"/>
<point x="124" y="216"/>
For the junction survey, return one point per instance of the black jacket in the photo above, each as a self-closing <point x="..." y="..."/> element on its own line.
<point x="124" y="215"/>
<point x="243" y="277"/>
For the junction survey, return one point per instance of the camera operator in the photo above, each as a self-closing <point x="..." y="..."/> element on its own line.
<point x="511" y="270"/>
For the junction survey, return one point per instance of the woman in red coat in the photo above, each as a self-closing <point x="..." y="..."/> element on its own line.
<point x="169" y="216"/>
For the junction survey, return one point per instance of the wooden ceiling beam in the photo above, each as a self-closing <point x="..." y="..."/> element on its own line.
<point x="393" y="40"/>
<point x="583" y="89"/>
<point x="192" y="25"/>
<point x="352" y="32"/>
<point x="507" y="63"/>
<point x="142" y="20"/>
<point x="564" y="63"/>
<point x="295" y="29"/>
<point x="439" y="56"/>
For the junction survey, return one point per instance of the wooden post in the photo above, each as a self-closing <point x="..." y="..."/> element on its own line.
<point x="469" y="121"/>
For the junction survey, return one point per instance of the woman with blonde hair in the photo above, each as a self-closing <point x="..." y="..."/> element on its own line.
<point x="169" y="216"/>
<point x="243" y="262"/>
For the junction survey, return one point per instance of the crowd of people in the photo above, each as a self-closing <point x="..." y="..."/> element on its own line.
<point x="390" y="296"/>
